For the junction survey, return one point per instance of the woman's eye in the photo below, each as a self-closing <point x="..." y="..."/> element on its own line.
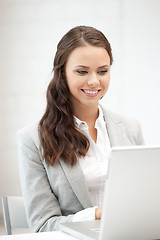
<point x="81" y="72"/>
<point x="103" y="72"/>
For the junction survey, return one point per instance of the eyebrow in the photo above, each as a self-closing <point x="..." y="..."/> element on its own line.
<point x="88" y="67"/>
<point x="104" y="66"/>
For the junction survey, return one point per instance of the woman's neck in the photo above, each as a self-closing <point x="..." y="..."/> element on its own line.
<point x="87" y="114"/>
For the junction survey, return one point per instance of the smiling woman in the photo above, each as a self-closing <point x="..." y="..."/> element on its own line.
<point x="64" y="159"/>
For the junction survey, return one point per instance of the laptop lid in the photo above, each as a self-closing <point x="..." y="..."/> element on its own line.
<point x="131" y="206"/>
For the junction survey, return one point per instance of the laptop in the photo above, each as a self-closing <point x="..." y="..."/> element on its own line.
<point x="131" y="206"/>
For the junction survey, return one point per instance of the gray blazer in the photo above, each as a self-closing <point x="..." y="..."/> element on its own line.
<point x="54" y="194"/>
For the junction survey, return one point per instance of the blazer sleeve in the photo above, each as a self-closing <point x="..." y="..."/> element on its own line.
<point x="42" y="207"/>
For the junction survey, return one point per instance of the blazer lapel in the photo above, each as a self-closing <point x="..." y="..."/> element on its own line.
<point x="114" y="128"/>
<point x="77" y="181"/>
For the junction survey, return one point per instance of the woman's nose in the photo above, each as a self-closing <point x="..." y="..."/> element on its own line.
<point x="93" y="80"/>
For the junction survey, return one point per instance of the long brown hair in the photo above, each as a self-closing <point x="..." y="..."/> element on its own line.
<point x="59" y="136"/>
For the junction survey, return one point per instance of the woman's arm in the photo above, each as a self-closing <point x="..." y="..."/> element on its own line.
<point x="42" y="207"/>
<point x="42" y="204"/>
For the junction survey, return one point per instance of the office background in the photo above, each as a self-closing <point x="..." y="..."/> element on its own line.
<point x="29" y="33"/>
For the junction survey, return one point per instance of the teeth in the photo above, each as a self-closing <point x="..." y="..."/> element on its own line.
<point x="90" y="92"/>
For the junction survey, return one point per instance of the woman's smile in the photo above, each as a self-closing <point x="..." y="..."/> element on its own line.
<point x="91" y="92"/>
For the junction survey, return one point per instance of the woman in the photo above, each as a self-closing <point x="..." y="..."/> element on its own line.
<point x="64" y="158"/>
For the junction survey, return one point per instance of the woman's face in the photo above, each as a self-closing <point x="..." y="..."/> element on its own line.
<point x="88" y="74"/>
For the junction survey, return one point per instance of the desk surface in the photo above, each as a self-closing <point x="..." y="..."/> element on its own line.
<point x="56" y="235"/>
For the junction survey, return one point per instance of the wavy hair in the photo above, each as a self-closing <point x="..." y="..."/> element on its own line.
<point x="59" y="136"/>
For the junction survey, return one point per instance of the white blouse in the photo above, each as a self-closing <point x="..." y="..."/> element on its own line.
<point x="94" y="165"/>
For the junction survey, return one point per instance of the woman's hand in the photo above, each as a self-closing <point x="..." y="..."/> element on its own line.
<point x="98" y="213"/>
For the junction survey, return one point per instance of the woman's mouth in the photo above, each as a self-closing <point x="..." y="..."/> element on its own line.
<point x="90" y="92"/>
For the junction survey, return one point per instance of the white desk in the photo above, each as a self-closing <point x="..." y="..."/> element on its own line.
<point x="55" y="235"/>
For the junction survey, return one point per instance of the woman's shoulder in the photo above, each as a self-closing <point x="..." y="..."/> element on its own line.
<point x="126" y="126"/>
<point x="29" y="133"/>
<point x="118" y="118"/>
